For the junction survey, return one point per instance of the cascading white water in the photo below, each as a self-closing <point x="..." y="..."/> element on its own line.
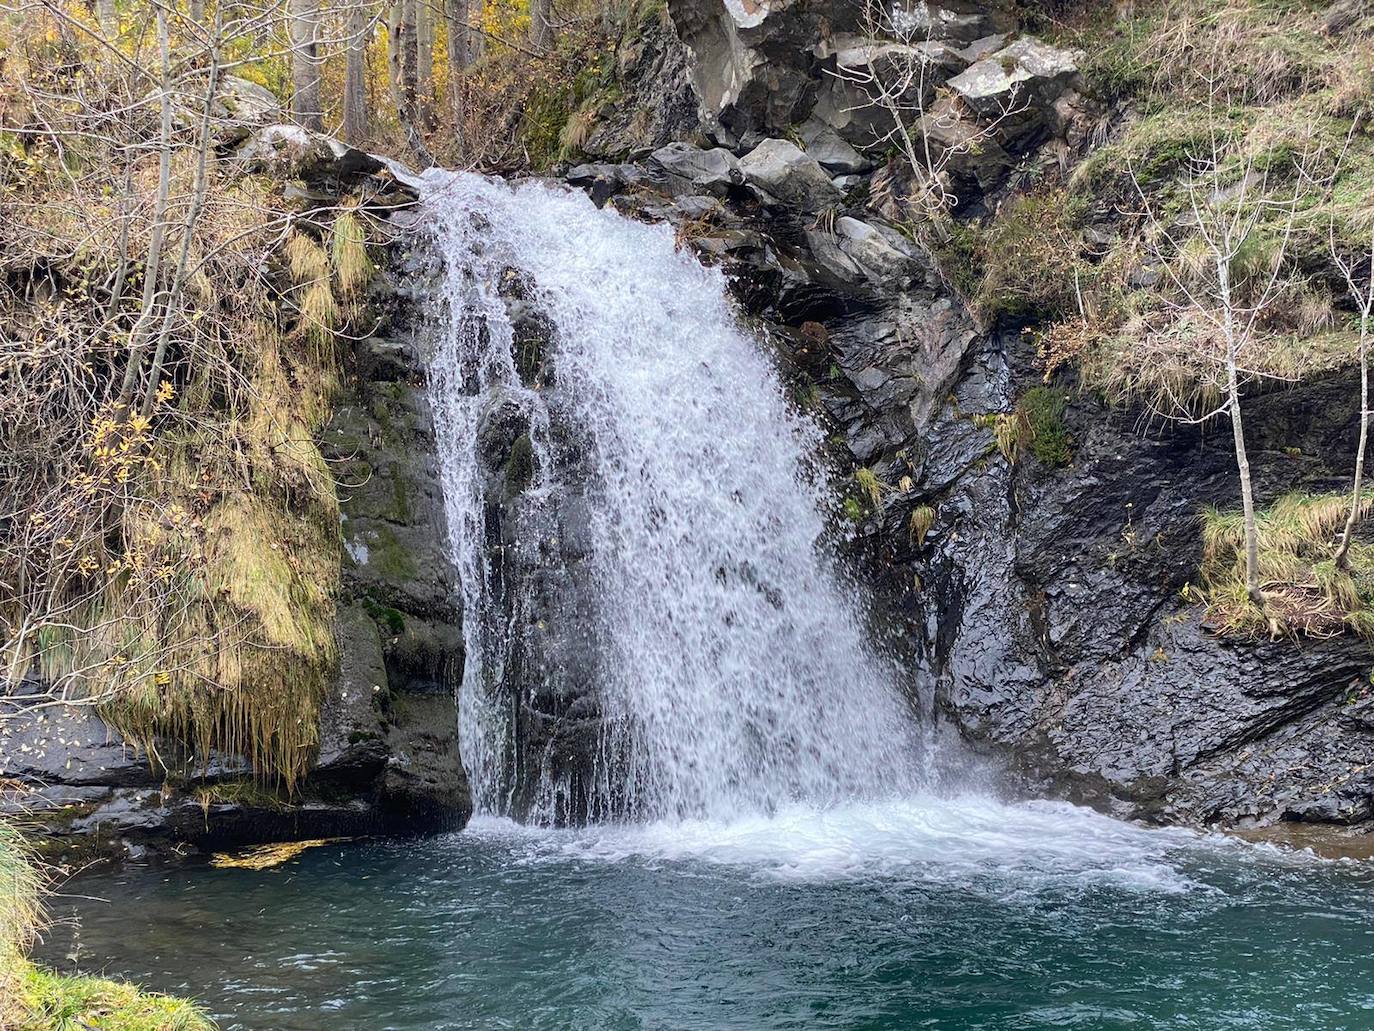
<point x="733" y="674"/>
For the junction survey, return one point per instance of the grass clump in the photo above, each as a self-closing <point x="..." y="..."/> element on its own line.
<point x="919" y="524"/>
<point x="869" y="485"/>
<point x="1041" y="410"/>
<point x="348" y="253"/>
<point x="33" y="999"/>
<point x="1304" y="591"/>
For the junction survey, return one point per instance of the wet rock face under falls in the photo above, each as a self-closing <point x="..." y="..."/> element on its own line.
<point x="654" y="628"/>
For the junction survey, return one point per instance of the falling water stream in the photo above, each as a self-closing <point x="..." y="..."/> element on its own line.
<point x="734" y="672"/>
<point x="759" y="842"/>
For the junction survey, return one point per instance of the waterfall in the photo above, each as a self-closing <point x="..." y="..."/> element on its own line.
<point x="667" y="483"/>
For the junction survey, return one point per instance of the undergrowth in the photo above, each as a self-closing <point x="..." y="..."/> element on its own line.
<point x="1293" y="104"/>
<point x="1304" y="591"/>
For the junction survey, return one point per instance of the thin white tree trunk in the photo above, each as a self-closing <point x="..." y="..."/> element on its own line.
<point x="108" y="16"/>
<point x="1247" y="496"/>
<point x="138" y="337"/>
<point x="188" y="231"/>
<point x="541" y="24"/>
<point x="1366" y="303"/>
<point x="424" y="61"/>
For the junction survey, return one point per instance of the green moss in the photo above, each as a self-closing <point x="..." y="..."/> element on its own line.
<point x="389" y="556"/>
<point x="1042" y="409"/>
<point x="853" y="511"/>
<point x="541" y="127"/>
<point x="393" y="621"/>
<point x="520" y="466"/>
<point x="244" y="792"/>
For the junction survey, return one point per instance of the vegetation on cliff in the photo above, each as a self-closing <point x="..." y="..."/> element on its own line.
<point x="1216" y="240"/>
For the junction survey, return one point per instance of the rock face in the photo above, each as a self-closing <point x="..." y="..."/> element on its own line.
<point x="1043" y="606"/>
<point x="388" y="759"/>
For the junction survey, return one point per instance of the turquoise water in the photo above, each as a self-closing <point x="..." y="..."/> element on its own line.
<point x="935" y="914"/>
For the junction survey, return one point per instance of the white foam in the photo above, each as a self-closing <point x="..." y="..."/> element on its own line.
<point x="977" y="843"/>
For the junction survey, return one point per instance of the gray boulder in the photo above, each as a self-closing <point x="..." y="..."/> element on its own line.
<point x="1028" y="75"/>
<point x="685" y="169"/>
<point x="786" y="175"/>
<point x="241" y="108"/>
<point x="293" y="152"/>
<point x="830" y="151"/>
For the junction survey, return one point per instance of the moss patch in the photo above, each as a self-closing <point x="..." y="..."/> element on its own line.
<point x="1042" y="408"/>
<point x="48" y="1001"/>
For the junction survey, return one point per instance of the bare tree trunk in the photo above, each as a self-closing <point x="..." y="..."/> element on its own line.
<point x="197" y="11"/>
<point x="477" y="41"/>
<point x="1365" y="300"/>
<point x="188" y="233"/>
<point x="541" y="24"/>
<point x="108" y="17"/>
<point x="395" y="44"/>
<point x="459" y="47"/>
<point x="138" y="337"/>
<point x="459" y="42"/>
<point x="1247" y="496"/>
<point x="355" y="76"/>
<point x="410" y="58"/>
<point x="424" y="61"/>
<point x="303" y="21"/>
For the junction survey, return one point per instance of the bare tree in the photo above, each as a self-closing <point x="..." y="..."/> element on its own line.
<point x="108" y="17"/>
<point x="1224" y="262"/>
<point x="424" y="61"/>
<point x="303" y="18"/>
<point x="1362" y="292"/>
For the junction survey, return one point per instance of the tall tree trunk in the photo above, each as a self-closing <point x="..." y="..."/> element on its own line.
<point x="395" y="45"/>
<point x="188" y="232"/>
<point x="410" y="58"/>
<point x="303" y="21"/>
<point x="541" y="24"/>
<point x="459" y="48"/>
<point x="355" y="76"/>
<point x="108" y="17"/>
<point x="424" y="61"/>
<point x="477" y="40"/>
<point x="138" y="336"/>
<point x="402" y="67"/>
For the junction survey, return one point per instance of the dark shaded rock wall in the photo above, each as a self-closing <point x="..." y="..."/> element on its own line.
<point x="1043" y="609"/>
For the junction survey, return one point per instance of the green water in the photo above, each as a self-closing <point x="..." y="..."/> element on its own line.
<point x="965" y="914"/>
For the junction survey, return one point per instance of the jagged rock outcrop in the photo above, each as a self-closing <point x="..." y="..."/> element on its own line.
<point x="1043" y="606"/>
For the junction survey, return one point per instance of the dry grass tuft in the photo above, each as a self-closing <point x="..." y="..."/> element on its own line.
<point x="1305" y="593"/>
